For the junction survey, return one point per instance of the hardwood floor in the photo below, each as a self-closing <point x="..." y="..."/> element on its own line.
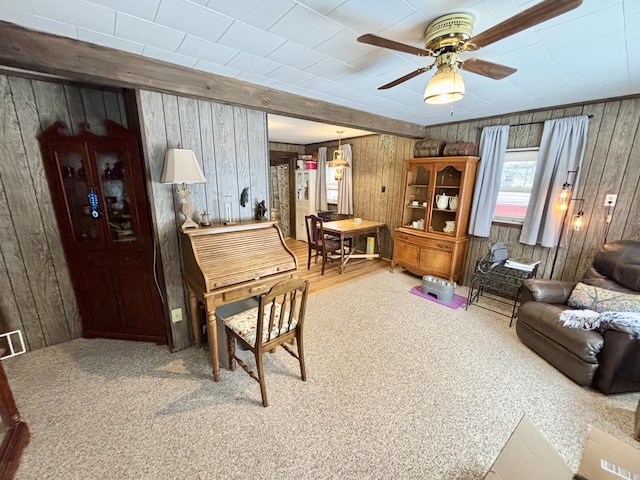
<point x="356" y="268"/>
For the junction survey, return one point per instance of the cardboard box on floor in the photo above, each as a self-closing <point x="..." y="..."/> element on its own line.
<point x="528" y="455"/>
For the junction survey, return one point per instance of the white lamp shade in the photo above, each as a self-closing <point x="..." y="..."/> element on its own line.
<point x="181" y="166"/>
<point x="446" y="86"/>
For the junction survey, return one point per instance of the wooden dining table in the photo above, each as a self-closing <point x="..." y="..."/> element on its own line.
<point x="351" y="228"/>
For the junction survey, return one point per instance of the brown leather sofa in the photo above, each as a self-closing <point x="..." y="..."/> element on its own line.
<point x="605" y="359"/>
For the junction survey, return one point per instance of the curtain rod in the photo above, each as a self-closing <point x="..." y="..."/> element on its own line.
<point x="523" y="124"/>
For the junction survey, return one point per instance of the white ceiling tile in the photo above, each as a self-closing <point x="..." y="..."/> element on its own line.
<point x="250" y="39"/>
<point x="19" y="5"/>
<point x="631" y="7"/>
<point x="542" y="74"/>
<point x="261" y="15"/>
<point x="255" y="79"/>
<point x="38" y="23"/>
<point x="519" y="59"/>
<point x="409" y="30"/>
<point x="109" y="41"/>
<point x="362" y="80"/>
<point x="77" y="12"/>
<point x="145" y="9"/>
<point x="290" y="75"/>
<point x="287" y="87"/>
<point x="436" y="8"/>
<point x="320" y="84"/>
<point x="295" y="55"/>
<point x="305" y="27"/>
<point x="170" y="57"/>
<point x="323" y="7"/>
<point x="217" y="69"/>
<point x="381" y="61"/>
<point x="252" y="64"/>
<point x="344" y="47"/>
<point x="211" y="52"/>
<point x="146" y="32"/>
<point x="194" y="19"/>
<point x="632" y="26"/>
<point x="592" y="26"/>
<point x="601" y="58"/>
<point x="330" y="68"/>
<point x="370" y="16"/>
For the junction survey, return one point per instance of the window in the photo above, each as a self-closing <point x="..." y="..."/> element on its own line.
<point x="515" y="186"/>
<point x="332" y="186"/>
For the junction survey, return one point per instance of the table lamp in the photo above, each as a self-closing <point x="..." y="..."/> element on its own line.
<point x="181" y="167"/>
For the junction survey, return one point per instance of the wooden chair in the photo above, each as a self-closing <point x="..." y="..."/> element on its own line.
<point x="318" y="242"/>
<point x="277" y="320"/>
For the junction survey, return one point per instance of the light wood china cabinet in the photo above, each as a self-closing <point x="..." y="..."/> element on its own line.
<point x="432" y="238"/>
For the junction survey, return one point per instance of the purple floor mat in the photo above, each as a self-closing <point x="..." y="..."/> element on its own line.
<point x="458" y="300"/>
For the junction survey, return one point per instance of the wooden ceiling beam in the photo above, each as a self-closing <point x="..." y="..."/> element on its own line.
<point x="88" y="63"/>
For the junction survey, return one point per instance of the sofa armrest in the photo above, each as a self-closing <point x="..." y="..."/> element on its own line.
<point x="548" y="291"/>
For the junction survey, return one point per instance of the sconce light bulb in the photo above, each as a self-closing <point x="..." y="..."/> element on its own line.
<point x="577" y="222"/>
<point x="563" y="206"/>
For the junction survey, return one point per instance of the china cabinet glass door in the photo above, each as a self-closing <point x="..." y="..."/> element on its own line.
<point x="416" y="199"/>
<point x="115" y="181"/>
<point x="445" y="200"/>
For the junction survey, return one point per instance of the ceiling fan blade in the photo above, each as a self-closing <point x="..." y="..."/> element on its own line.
<point x="386" y="43"/>
<point x="408" y="76"/>
<point x="543" y="11"/>
<point x="488" y="69"/>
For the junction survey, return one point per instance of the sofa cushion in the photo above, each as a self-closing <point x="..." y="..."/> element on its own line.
<point x="543" y="318"/>
<point x="620" y="262"/>
<point x="601" y="300"/>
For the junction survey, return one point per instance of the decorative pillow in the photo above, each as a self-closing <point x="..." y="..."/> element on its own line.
<point x="601" y="300"/>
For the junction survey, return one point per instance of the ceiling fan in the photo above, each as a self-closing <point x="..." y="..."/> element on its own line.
<point x="448" y="36"/>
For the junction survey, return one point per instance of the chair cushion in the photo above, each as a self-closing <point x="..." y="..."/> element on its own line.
<point x="245" y="325"/>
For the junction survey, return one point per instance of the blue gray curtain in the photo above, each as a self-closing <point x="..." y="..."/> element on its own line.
<point x="493" y="146"/>
<point x="345" y="186"/>
<point x="561" y="150"/>
<point x="321" y="180"/>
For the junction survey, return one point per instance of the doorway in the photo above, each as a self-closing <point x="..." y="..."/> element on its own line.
<point x="282" y="189"/>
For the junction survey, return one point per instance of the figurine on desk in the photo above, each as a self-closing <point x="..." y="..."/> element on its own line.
<point x="261" y="211"/>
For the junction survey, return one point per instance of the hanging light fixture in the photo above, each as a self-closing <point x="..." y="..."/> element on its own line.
<point x="338" y="161"/>
<point x="446" y="85"/>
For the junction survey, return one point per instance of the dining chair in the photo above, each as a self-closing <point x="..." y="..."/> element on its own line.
<point x="276" y="321"/>
<point x="318" y="241"/>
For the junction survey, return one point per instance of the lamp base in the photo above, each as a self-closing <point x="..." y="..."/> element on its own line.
<point x="189" y="223"/>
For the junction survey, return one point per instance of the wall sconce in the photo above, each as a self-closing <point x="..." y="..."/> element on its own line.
<point x="338" y="162"/>
<point x="181" y="167"/>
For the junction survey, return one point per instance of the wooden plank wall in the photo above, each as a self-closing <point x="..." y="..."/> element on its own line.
<point x="378" y="162"/>
<point x="611" y="165"/>
<point x="232" y="147"/>
<point x="37" y="296"/>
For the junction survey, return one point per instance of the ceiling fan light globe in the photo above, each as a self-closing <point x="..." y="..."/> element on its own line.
<point x="445" y="86"/>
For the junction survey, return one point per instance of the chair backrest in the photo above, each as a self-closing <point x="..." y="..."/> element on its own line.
<point x="281" y="310"/>
<point x="315" y="230"/>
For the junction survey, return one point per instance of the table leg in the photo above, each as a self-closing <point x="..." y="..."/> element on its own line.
<point x="341" y="253"/>
<point x="195" y="323"/>
<point x="379" y="246"/>
<point x="212" y="334"/>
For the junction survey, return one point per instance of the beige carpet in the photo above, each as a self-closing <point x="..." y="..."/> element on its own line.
<point x="398" y="387"/>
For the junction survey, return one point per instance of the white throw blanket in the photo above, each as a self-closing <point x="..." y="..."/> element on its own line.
<point x="590" y="320"/>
